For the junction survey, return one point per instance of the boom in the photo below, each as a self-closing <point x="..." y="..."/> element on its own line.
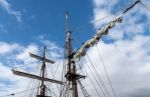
<point x="41" y="58"/>
<point x="19" y="73"/>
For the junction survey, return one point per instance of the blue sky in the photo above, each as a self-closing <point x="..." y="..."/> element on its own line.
<point x="43" y="18"/>
<point x="27" y="25"/>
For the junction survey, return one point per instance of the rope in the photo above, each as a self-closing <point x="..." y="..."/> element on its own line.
<point x="101" y="81"/>
<point x="32" y="90"/>
<point x="92" y="83"/>
<point x="103" y="18"/>
<point x="147" y="8"/>
<point x="95" y="78"/>
<point x="62" y="76"/>
<point x="106" y="71"/>
<point x="18" y="92"/>
<point x="81" y="68"/>
<point x="56" y="69"/>
<point x="52" y="92"/>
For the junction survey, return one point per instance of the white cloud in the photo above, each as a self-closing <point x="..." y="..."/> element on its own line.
<point x="7" y="7"/>
<point x="99" y="3"/>
<point x="127" y="63"/>
<point x="53" y="50"/>
<point x="127" y="58"/>
<point x="9" y="83"/>
<point x="6" y="48"/>
<point x="24" y="55"/>
<point x="4" y="72"/>
<point x="132" y="22"/>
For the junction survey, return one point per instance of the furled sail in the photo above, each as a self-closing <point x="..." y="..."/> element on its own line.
<point x="103" y="31"/>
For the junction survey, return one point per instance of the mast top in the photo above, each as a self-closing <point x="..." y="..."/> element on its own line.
<point x="67" y="21"/>
<point x="43" y="57"/>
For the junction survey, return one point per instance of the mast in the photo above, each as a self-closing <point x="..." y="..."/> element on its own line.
<point x="43" y="67"/>
<point x="69" y="63"/>
<point x="68" y="43"/>
<point x="42" y="77"/>
<point x="71" y="74"/>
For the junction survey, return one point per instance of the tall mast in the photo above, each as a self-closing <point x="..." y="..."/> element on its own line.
<point x="71" y="68"/>
<point x="71" y="75"/>
<point x="68" y="43"/>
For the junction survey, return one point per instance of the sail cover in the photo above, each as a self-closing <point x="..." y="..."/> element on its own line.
<point x="103" y="31"/>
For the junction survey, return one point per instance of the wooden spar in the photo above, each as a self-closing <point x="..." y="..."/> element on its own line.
<point x="19" y="73"/>
<point x="41" y="58"/>
<point x="130" y="7"/>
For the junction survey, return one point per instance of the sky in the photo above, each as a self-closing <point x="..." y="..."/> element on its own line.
<point x="27" y="25"/>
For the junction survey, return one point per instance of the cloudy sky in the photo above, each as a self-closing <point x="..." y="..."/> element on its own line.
<point x="27" y="25"/>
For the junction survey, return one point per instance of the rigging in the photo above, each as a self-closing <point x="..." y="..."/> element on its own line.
<point x="71" y="75"/>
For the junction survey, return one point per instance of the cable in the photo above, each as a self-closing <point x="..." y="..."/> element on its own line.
<point x="130" y="7"/>
<point x="106" y="71"/>
<point x="66" y="92"/>
<point x="52" y="92"/>
<point x="147" y="8"/>
<point x="32" y="91"/>
<point x="56" y="69"/>
<point x="103" y="18"/>
<point x="18" y="92"/>
<point x="92" y="83"/>
<point x="101" y="81"/>
<point x="62" y="76"/>
<point x="81" y="68"/>
<point x="56" y="72"/>
<point x="95" y="78"/>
